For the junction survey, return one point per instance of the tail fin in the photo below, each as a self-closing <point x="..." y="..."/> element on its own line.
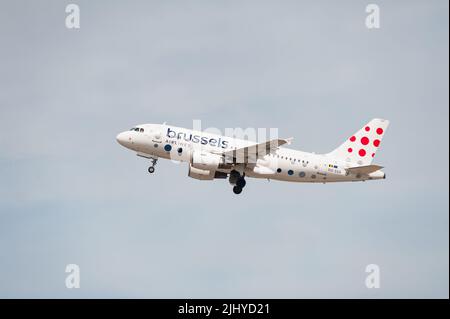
<point x="360" y="148"/>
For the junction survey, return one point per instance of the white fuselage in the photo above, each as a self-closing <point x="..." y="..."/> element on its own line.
<point x="179" y="144"/>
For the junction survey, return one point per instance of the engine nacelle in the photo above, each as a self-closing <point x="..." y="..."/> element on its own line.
<point x="201" y="174"/>
<point x="205" y="160"/>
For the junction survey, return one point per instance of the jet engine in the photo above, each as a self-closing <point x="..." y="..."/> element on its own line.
<point x="201" y="174"/>
<point x="205" y="160"/>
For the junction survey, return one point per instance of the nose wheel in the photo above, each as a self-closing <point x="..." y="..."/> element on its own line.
<point x="151" y="168"/>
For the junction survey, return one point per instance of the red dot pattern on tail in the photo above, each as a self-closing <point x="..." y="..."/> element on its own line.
<point x="379" y="131"/>
<point x="364" y="140"/>
<point x="362" y="152"/>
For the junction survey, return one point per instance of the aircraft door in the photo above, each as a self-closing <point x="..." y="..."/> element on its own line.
<point x="156" y="137"/>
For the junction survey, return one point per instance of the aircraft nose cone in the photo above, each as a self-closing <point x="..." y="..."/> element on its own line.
<point x="121" y="139"/>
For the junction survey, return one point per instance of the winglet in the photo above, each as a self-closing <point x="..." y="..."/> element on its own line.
<point x="289" y="140"/>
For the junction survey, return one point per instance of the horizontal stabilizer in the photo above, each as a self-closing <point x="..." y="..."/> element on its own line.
<point x="364" y="169"/>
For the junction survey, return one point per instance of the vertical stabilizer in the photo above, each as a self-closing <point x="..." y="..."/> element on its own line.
<point x="361" y="147"/>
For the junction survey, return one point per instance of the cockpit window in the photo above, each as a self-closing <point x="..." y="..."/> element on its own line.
<point x="141" y="130"/>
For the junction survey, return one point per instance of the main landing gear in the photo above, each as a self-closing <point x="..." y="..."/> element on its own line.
<point x="151" y="168"/>
<point x="238" y="181"/>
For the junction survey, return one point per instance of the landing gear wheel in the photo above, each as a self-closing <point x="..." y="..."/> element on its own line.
<point x="151" y="169"/>
<point x="237" y="189"/>
<point x="241" y="182"/>
<point x="234" y="176"/>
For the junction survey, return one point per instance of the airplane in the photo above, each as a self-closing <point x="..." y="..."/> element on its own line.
<point x="212" y="156"/>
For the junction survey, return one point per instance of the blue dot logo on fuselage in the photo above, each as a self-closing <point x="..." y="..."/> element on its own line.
<point x="167" y="147"/>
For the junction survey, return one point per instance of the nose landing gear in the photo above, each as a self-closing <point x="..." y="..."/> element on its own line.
<point x="151" y="168"/>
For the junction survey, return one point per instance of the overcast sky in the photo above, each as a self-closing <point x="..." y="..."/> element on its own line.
<point x="70" y="194"/>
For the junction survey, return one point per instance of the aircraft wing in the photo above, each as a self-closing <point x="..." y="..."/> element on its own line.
<point x="253" y="152"/>
<point x="364" y="169"/>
